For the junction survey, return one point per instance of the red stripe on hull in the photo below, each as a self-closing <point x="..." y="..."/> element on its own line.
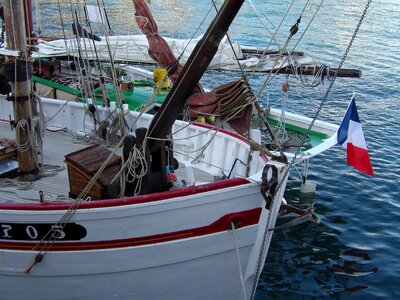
<point x="192" y="190"/>
<point x="241" y="219"/>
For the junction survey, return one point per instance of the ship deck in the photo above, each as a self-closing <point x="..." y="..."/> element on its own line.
<point x="54" y="184"/>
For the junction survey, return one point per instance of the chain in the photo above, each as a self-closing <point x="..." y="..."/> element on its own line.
<point x="259" y="261"/>
<point x="308" y="132"/>
<point x="330" y="86"/>
<point x="340" y="66"/>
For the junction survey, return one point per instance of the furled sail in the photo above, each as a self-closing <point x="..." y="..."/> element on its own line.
<point x="159" y="49"/>
<point x="134" y="49"/>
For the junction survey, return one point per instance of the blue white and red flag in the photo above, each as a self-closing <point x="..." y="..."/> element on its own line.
<point x="350" y="135"/>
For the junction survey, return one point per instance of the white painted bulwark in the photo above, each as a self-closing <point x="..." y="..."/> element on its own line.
<point x="175" y="245"/>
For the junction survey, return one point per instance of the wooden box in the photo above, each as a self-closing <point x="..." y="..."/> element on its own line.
<point x="82" y="166"/>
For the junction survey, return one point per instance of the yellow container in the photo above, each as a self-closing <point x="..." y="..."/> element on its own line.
<point x="159" y="74"/>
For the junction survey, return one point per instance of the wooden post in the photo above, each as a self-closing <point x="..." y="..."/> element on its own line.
<point x="14" y="20"/>
<point x="183" y="87"/>
<point x="193" y="70"/>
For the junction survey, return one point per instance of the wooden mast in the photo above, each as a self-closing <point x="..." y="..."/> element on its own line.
<point x="183" y="87"/>
<point x="194" y="69"/>
<point x="14" y="20"/>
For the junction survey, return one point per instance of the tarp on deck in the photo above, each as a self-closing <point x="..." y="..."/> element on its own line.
<point x="134" y="48"/>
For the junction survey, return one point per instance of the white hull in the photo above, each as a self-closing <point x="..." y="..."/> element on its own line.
<point x="164" y="265"/>
<point x="177" y="244"/>
<point x="158" y="271"/>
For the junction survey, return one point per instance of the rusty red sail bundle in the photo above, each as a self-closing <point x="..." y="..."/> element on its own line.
<point x="159" y="50"/>
<point x="231" y="102"/>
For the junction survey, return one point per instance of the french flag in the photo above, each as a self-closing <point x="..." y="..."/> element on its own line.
<point x="350" y="136"/>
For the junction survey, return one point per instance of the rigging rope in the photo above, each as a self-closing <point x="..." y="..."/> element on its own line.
<point x="281" y="135"/>
<point x="23" y="129"/>
<point x="38" y="17"/>
<point x="280" y="24"/>
<point x="117" y="125"/>
<point x="37" y="133"/>
<point x="104" y="90"/>
<point x="45" y="244"/>
<point x="239" y="261"/>
<point x="127" y="173"/>
<point x="20" y="185"/>
<point x="292" y="162"/>
<point x="297" y="69"/>
<point x="231" y="44"/>
<point x="273" y="72"/>
<point x="274" y="39"/>
<point x="195" y="32"/>
<point x="115" y="80"/>
<point x="65" y="39"/>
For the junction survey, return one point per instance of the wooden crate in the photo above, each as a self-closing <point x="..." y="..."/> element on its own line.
<point x="82" y="166"/>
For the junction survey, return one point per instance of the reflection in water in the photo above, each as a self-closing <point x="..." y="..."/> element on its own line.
<point x="351" y="268"/>
<point x="310" y="261"/>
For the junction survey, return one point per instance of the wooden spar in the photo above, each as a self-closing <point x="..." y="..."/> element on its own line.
<point x="313" y="70"/>
<point x="193" y="70"/>
<point x="14" y="20"/>
<point x="158" y="157"/>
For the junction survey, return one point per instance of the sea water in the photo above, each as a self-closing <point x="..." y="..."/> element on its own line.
<point x="354" y="252"/>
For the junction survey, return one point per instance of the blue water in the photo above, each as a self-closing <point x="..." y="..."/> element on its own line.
<point x="354" y="252"/>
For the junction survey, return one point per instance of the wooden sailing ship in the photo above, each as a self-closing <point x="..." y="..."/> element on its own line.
<point x="181" y="210"/>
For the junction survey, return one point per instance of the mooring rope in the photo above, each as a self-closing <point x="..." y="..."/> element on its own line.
<point x="239" y="260"/>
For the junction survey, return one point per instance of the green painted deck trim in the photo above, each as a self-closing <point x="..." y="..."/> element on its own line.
<point x="135" y="97"/>
<point x="316" y="137"/>
<point x="143" y="90"/>
<point x="57" y="86"/>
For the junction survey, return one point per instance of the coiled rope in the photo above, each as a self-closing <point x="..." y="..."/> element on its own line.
<point x="127" y="173"/>
<point x="117" y="125"/>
